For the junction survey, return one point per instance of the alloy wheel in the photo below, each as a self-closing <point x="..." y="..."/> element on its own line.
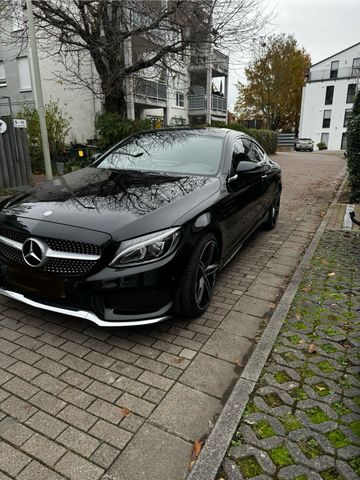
<point x="206" y="274"/>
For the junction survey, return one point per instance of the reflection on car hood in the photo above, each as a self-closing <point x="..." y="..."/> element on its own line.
<point x="111" y="201"/>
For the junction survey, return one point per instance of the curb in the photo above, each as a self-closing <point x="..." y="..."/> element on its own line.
<point x="214" y="450"/>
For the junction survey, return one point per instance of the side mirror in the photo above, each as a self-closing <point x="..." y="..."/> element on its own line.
<point x="95" y="157"/>
<point x="247" y="167"/>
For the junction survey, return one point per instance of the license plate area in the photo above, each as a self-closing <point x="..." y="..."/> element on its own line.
<point x="42" y="285"/>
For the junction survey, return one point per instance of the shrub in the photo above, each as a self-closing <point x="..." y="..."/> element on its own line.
<point x="266" y="138"/>
<point x="353" y="151"/>
<point x="57" y="124"/>
<point x="112" y="128"/>
<point x="321" y="146"/>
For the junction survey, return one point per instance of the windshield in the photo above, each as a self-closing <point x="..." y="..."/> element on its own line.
<point x="182" y="152"/>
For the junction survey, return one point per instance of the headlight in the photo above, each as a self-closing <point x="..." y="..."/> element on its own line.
<point x="147" y="248"/>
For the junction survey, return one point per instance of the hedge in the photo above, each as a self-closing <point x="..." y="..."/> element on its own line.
<point x="112" y="128"/>
<point x="353" y="151"/>
<point x="266" y="138"/>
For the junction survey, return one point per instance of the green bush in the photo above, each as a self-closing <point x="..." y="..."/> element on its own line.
<point x="57" y="124"/>
<point x="112" y="128"/>
<point x="353" y="151"/>
<point x="321" y="146"/>
<point x="266" y="138"/>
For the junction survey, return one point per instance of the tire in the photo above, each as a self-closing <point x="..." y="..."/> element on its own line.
<point x="200" y="277"/>
<point x="273" y="213"/>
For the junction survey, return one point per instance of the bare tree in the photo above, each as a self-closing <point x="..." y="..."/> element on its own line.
<point x="122" y="38"/>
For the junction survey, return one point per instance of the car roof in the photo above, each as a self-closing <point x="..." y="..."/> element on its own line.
<point x="216" y="131"/>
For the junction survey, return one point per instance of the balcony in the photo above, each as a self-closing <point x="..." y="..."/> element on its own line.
<point x="220" y="63"/>
<point x="150" y="90"/>
<point x="198" y="104"/>
<point x="323" y="75"/>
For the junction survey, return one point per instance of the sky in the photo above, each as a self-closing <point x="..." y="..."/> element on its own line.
<point x="322" y="27"/>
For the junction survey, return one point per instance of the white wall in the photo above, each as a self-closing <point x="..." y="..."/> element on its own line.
<point x="79" y="104"/>
<point x="313" y="102"/>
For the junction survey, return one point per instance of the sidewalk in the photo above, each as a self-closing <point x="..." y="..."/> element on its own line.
<point x="303" y="418"/>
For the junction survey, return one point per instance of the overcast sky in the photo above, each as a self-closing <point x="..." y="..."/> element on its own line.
<point x="322" y="27"/>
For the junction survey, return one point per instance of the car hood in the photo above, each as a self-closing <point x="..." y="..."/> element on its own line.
<point x="121" y="203"/>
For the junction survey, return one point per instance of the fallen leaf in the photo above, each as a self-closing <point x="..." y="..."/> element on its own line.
<point x="195" y="452"/>
<point x="298" y="316"/>
<point x="178" y="360"/>
<point x="312" y="348"/>
<point x="125" y="411"/>
<point x="238" y="362"/>
<point x="271" y="305"/>
<point x="332" y="274"/>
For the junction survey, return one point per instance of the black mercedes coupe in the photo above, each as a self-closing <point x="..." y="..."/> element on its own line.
<point x="141" y="234"/>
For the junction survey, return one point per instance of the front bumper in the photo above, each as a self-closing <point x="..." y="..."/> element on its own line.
<point x="90" y="316"/>
<point x="111" y="297"/>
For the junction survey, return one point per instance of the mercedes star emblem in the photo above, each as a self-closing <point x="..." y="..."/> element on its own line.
<point x="34" y="252"/>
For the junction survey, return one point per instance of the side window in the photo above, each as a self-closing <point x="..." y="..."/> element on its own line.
<point x="252" y="151"/>
<point x="238" y="154"/>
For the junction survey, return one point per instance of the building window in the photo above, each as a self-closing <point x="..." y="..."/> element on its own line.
<point x="2" y="74"/>
<point x="24" y="74"/>
<point x="351" y="92"/>
<point x="325" y="138"/>
<point x="355" y="72"/>
<point x="343" y="141"/>
<point x="334" y="69"/>
<point x="329" y="95"/>
<point x="180" y="99"/>
<point x="326" y="119"/>
<point x="347" y="115"/>
<point x="18" y="16"/>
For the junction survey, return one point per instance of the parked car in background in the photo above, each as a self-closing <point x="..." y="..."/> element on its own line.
<point x="141" y="234"/>
<point x="303" y="144"/>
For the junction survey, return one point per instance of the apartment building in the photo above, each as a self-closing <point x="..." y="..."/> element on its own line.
<point x="328" y="98"/>
<point x="195" y="95"/>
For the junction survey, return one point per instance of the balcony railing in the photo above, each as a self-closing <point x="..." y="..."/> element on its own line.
<point x="345" y="72"/>
<point x="198" y="102"/>
<point x="150" y="89"/>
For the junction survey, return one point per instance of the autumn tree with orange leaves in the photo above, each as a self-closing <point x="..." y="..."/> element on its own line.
<point x="275" y="79"/>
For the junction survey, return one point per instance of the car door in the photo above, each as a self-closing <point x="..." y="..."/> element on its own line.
<point x="242" y="208"/>
<point x="263" y="177"/>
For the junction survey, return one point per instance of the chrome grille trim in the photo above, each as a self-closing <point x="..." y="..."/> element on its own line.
<point x="11" y="243"/>
<point x="53" y="253"/>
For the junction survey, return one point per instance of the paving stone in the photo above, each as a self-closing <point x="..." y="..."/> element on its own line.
<point x="135" y="404"/>
<point x="49" y="384"/>
<point x="186" y="412"/>
<point x="155" y="380"/>
<point x="46" y="424"/>
<point x="105" y="410"/>
<point x="17" y="408"/>
<point x="77" y="417"/>
<point x="228" y="346"/>
<point x="36" y="471"/>
<point x="241" y="324"/>
<point x="23" y="370"/>
<point x="105" y="455"/>
<point x="104" y="391"/>
<point x="152" y="464"/>
<point x="50" y="366"/>
<point x="19" y="387"/>
<point x="115" y="436"/>
<point x="76" y="467"/>
<point x="12" y="461"/>
<point x="78" y="441"/>
<point x="210" y="375"/>
<point x="76" y="397"/>
<point x="14" y="432"/>
<point x="43" y="449"/>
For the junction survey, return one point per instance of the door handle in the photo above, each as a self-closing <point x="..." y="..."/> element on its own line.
<point x="264" y="176"/>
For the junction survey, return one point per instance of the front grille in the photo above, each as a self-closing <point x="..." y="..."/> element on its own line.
<point x="62" y="266"/>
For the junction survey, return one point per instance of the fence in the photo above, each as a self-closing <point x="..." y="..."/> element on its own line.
<point x="15" y="164"/>
<point x="286" y="140"/>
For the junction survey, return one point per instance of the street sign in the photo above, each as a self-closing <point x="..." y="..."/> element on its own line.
<point x="19" y="123"/>
<point x="3" y="126"/>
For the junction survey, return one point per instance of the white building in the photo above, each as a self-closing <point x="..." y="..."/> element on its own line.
<point x="328" y="98"/>
<point x="197" y="95"/>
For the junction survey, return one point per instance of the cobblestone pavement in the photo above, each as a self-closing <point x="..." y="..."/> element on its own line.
<point x="79" y="402"/>
<point x="303" y="418"/>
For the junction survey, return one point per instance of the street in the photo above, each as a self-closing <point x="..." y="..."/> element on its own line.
<point x="81" y="402"/>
